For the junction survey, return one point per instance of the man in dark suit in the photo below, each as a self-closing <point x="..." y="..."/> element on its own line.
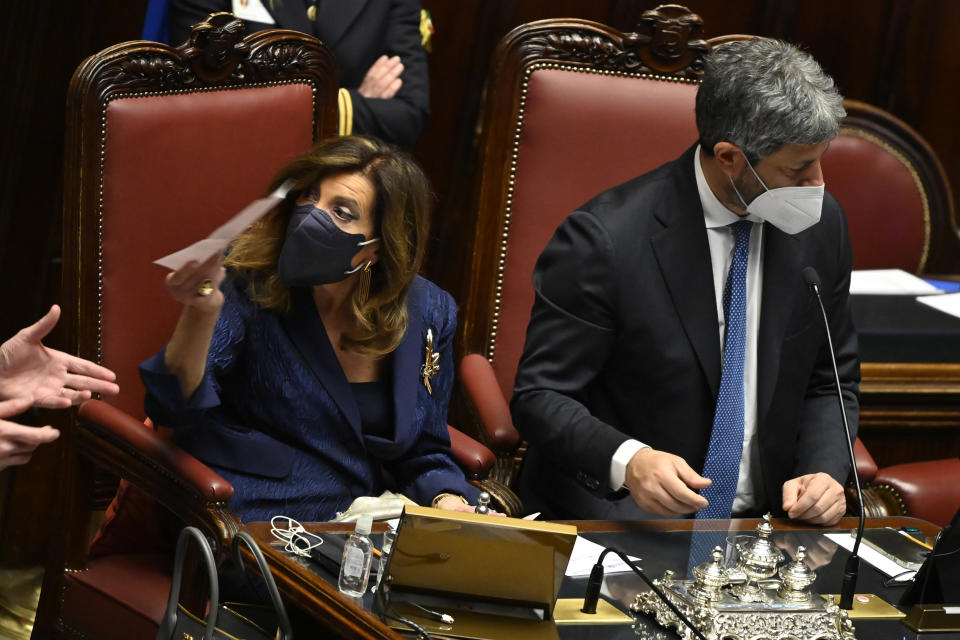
<point x="378" y="44"/>
<point x="680" y="358"/>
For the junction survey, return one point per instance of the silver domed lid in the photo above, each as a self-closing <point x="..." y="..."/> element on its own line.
<point x="797" y="575"/>
<point x="762" y="551"/>
<point x="711" y="573"/>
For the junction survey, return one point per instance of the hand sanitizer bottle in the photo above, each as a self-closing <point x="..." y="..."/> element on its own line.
<point x="357" y="554"/>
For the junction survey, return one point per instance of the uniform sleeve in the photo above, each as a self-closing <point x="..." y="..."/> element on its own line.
<point x="399" y="119"/>
<point x="428" y="468"/>
<point x="165" y="402"/>
<point x="183" y="14"/>
<point x="569" y="340"/>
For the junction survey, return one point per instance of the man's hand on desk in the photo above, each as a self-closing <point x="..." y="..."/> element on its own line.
<point x="815" y="498"/>
<point x="664" y="484"/>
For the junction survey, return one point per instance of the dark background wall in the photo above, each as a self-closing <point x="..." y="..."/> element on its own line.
<point x="895" y="54"/>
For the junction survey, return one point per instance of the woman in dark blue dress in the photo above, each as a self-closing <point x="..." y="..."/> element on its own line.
<point x="314" y="366"/>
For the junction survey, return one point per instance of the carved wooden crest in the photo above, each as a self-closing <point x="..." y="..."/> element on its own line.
<point x="668" y="40"/>
<point x="215" y="48"/>
<point x="216" y="54"/>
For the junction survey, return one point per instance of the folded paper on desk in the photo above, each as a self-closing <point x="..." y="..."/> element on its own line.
<point x="217" y="241"/>
<point x="889" y="282"/>
<point x="885" y="565"/>
<point x="585" y="554"/>
<point x="948" y="303"/>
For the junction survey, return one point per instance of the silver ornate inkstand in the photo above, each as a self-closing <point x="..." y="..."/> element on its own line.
<point x="750" y="601"/>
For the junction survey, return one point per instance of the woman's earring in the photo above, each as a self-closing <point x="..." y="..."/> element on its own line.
<point x="363" y="286"/>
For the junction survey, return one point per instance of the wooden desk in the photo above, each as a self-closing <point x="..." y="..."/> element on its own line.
<point x="307" y="586"/>
<point x="910" y="411"/>
<point x="910" y="389"/>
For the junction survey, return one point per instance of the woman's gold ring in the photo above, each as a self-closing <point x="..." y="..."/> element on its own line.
<point x="205" y="288"/>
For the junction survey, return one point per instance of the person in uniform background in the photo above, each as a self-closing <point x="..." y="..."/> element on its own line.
<point x="379" y="46"/>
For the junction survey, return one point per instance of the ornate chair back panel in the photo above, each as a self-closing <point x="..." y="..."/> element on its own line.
<point x="175" y="167"/>
<point x="580" y="132"/>
<point x="885" y="202"/>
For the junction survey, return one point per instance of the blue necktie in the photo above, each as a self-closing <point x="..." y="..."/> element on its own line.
<point x="726" y="440"/>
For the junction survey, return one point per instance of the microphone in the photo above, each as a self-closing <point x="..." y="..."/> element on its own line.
<point x="852" y="567"/>
<point x="592" y="594"/>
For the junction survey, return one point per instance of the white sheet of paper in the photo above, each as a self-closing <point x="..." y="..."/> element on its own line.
<point x="948" y="303"/>
<point x="217" y="241"/>
<point x="584" y="556"/>
<point x="889" y="282"/>
<point x="887" y="566"/>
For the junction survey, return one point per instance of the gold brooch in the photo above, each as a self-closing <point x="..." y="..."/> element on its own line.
<point x="431" y="363"/>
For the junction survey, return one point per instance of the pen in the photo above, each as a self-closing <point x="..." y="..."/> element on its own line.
<point x="917" y="540"/>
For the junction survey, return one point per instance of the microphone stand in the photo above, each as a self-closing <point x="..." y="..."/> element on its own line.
<point x="852" y="568"/>
<point x="592" y="594"/>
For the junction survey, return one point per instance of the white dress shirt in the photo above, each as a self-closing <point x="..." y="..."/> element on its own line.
<point x="717" y="219"/>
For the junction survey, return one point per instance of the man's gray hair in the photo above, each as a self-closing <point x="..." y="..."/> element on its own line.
<point x="762" y="94"/>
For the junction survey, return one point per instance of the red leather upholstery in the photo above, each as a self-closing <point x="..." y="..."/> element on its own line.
<point x="158" y="197"/>
<point x="473" y="457"/>
<point x="158" y="449"/>
<point x="480" y="382"/>
<point x="574" y="145"/>
<point x="132" y="588"/>
<point x="881" y="195"/>
<point x="930" y="489"/>
<point x="866" y="465"/>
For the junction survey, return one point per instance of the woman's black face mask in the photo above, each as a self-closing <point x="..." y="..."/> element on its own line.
<point x="315" y="250"/>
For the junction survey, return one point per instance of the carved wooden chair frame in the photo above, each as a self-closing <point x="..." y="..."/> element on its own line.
<point x="216" y="58"/>
<point x="941" y="246"/>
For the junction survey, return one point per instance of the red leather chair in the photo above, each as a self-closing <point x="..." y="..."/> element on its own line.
<point x="895" y="193"/>
<point x="571" y="108"/>
<point x="163" y="144"/>
<point x="900" y="210"/>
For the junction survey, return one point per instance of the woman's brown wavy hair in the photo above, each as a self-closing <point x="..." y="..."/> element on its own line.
<point x="401" y="221"/>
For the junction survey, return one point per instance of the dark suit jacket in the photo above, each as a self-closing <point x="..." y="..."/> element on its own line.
<point x="358" y="32"/>
<point x="276" y="417"/>
<point x="623" y="343"/>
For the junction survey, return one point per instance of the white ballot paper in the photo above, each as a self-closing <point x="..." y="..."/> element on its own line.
<point x="584" y="556"/>
<point x="948" y="303"/>
<point x="886" y="566"/>
<point x="889" y="282"/>
<point x="217" y="241"/>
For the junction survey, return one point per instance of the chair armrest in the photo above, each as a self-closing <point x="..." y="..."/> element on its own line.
<point x="473" y="457"/>
<point x="866" y="465"/>
<point x="480" y="383"/>
<point x="930" y="490"/>
<point x="195" y="493"/>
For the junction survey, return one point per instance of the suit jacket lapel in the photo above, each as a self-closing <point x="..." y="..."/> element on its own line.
<point x="290" y="14"/>
<point x="781" y="270"/>
<point x="305" y="328"/>
<point x="334" y="17"/>
<point x="683" y="254"/>
<point x="406" y="367"/>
